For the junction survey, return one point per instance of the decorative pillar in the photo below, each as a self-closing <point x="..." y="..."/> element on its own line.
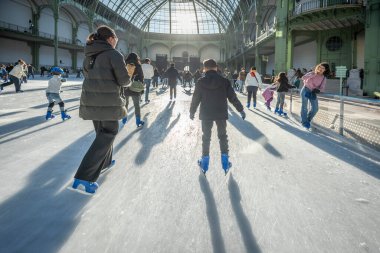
<point x="74" y="59"/>
<point x="56" y="17"/>
<point x="283" y="40"/>
<point x="35" y="51"/>
<point x="371" y="49"/>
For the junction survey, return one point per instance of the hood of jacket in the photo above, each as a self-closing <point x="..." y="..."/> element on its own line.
<point x="211" y="80"/>
<point x="96" y="47"/>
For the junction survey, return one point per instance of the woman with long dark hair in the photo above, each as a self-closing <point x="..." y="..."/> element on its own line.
<point x="282" y="86"/>
<point x="103" y="102"/>
<point x="137" y="75"/>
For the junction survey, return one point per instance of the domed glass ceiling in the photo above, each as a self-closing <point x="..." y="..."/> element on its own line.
<point x="176" y="16"/>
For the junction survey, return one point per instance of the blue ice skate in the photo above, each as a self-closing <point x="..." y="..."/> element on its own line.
<point x="139" y="122"/>
<point x="65" y="116"/>
<point x="203" y="163"/>
<point x="306" y="125"/>
<point x="248" y="105"/>
<point x="49" y="115"/>
<point x="226" y="164"/>
<point x="84" y="187"/>
<point x="124" y="120"/>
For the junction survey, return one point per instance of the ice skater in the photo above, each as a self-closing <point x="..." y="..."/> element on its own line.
<point x="52" y="94"/>
<point x="268" y="95"/>
<point x="211" y="93"/>
<point x="102" y="101"/>
<point x="314" y="83"/>
<point x="283" y="86"/>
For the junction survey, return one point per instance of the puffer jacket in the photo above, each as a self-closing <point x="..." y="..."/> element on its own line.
<point x="105" y="75"/>
<point x="212" y="92"/>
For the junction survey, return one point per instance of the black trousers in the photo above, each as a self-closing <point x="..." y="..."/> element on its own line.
<point x="252" y="92"/>
<point x="173" y="90"/>
<point x="222" y="135"/>
<point x="99" y="155"/>
<point x="13" y="80"/>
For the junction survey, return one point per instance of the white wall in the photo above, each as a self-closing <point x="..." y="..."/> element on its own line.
<point x="210" y="52"/>
<point x="83" y="32"/>
<point x="12" y="50"/>
<point x="46" y="21"/>
<point x="65" y="27"/>
<point x="305" y="56"/>
<point x="360" y="50"/>
<point x="46" y="55"/>
<point x="16" y="12"/>
<point x="178" y="50"/>
<point x="157" y="49"/>
<point x="64" y="55"/>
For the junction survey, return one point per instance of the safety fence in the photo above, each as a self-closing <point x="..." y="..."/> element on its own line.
<point x="351" y="117"/>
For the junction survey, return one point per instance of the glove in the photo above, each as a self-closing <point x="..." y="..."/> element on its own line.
<point x="242" y="113"/>
<point x="191" y="116"/>
<point x="316" y="91"/>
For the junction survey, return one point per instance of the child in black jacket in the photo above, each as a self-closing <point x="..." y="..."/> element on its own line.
<point x="212" y="92"/>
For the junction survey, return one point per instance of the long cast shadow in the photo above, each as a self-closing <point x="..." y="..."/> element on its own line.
<point x="251" y="132"/>
<point x="355" y="157"/>
<point x="156" y="132"/>
<point x="40" y="217"/>
<point x="10" y="113"/>
<point x="242" y="219"/>
<point x="30" y="132"/>
<point x="212" y="216"/>
<point x="20" y="125"/>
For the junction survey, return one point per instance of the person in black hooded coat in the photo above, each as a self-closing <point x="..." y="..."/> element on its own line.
<point x="212" y="92"/>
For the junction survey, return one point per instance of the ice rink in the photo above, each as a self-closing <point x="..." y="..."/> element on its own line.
<point x="289" y="190"/>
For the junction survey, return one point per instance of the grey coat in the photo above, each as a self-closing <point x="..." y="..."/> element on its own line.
<point x="102" y="95"/>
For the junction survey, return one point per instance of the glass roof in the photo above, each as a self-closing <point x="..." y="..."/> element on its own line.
<point x="176" y="16"/>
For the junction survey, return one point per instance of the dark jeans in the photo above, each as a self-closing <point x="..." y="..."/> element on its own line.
<point x="136" y="104"/>
<point x="13" y="80"/>
<point x="252" y="92"/>
<point x="173" y="89"/>
<point x="99" y="155"/>
<point x="222" y="135"/>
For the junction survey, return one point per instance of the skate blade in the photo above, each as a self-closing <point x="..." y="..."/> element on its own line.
<point x="83" y="192"/>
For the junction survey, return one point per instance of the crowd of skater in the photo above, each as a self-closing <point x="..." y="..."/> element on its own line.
<point x="110" y="80"/>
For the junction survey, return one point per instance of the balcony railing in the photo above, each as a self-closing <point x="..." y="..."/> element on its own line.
<point x="23" y="29"/>
<point x="265" y="34"/>
<point x="313" y="5"/>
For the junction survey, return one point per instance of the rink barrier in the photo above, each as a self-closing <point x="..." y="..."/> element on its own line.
<point x="338" y="118"/>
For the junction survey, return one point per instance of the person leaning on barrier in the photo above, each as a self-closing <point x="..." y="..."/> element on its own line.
<point x="314" y="83"/>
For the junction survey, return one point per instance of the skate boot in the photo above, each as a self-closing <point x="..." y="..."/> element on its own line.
<point x="254" y="105"/>
<point x="49" y="115"/>
<point x="203" y="163"/>
<point x="84" y="187"/>
<point x="226" y="164"/>
<point x="65" y="116"/>
<point x="280" y="112"/>
<point x="248" y="105"/>
<point x="276" y="110"/>
<point x="124" y="120"/>
<point x="139" y="122"/>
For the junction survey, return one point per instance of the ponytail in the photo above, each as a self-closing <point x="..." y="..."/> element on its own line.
<point x="102" y="33"/>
